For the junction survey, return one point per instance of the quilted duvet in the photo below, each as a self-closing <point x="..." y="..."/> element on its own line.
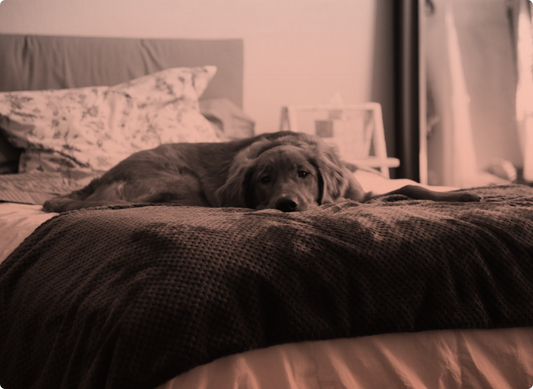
<point x="131" y="296"/>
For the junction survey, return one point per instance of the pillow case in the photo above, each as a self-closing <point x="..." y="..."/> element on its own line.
<point x="231" y="121"/>
<point x="96" y="127"/>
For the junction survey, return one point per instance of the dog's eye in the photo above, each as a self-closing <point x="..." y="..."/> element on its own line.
<point x="265" y="179"/>
<point x="302" y="174"/>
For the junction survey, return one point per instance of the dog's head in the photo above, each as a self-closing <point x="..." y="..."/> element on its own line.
<point x="295" y="172"/>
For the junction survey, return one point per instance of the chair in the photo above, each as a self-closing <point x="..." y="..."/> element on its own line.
<point x="355" y="130"/>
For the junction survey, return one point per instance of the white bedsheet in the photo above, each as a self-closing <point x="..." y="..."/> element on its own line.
<point x="17" y="222"/>
<point x="450" y="359"/>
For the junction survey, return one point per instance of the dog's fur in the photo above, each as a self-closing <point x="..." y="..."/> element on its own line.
<point x="286" y="170"/>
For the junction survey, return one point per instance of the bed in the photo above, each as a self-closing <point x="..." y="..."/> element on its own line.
<point x="390" y="293"/>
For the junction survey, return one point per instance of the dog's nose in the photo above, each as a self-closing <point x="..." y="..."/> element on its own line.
<point x="286" y="205"/>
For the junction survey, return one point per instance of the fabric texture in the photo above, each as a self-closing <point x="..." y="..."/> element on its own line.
<point x="129" y="297"/>
<point x="97" y="127"/>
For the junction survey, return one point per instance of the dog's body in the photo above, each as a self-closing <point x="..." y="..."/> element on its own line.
<point x="285" y="170"/>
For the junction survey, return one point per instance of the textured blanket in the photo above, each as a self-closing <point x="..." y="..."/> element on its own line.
<point x="129" y="297"/>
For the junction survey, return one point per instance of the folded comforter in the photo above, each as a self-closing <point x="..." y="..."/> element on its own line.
<point x="131" y="296"/>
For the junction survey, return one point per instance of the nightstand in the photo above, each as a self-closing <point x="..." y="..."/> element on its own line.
<point x="355" y="130"/>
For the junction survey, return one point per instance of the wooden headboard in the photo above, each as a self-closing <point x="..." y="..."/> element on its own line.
<point x="35" y="62"/>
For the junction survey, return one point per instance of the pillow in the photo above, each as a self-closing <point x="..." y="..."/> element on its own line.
<point x="231" y="121"/>
<point x="96" y="127"/>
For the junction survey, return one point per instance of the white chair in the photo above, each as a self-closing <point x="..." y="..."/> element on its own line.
<point x="356" y="130"/>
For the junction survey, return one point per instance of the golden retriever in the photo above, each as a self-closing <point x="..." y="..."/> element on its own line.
<point x="287" y="171"/>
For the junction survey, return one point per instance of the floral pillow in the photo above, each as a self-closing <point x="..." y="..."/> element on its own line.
<point x="94" y="128"/>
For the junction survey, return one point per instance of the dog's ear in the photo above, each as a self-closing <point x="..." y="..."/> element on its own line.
<point x="335" y="180"/>
<point x="236" y="190"/>
<point x="332" y="181"/>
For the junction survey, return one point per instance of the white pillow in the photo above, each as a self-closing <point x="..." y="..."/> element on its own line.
<point x="96" y="127"/>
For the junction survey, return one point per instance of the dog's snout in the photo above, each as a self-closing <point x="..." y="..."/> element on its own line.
<point x="285" y="204"/>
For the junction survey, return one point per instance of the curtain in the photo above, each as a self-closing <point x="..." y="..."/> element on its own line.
<point x="471" y="73"/>
<point x="453" y="156"/>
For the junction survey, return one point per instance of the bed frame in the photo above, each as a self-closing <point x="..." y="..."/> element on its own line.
<point x="34" y="62"/>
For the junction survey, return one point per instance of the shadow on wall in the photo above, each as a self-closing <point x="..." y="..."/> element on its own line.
<point x="382" y="87"/>
<point x="396" y="81"/>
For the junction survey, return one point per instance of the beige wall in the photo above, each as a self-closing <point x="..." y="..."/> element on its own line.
<point x="296" y="51"/>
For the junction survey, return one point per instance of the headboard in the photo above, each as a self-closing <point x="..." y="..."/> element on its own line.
<point x="35" y="62"/>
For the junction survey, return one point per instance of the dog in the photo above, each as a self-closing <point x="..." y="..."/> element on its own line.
<point x="287" y="171"/>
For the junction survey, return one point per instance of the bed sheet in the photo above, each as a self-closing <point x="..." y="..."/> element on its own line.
<point x="447" y="359"/>
<point x="18" y="221"/>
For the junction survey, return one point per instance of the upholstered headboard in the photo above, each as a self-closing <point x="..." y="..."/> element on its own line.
<point x="32" y="62"/>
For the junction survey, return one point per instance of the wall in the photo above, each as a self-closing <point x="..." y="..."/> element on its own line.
<point x="296" y="51"/>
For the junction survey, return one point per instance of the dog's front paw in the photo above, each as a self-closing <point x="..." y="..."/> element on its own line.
<point x="469" y="197"/>
<point x="57" y="204"/>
